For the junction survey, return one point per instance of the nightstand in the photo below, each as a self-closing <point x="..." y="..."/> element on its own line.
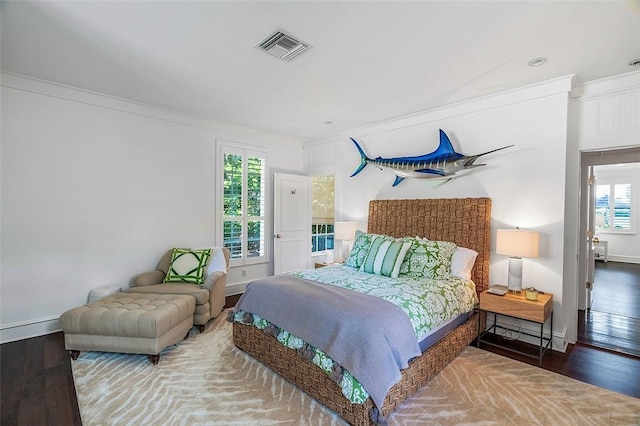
<point x="517" y="306"/>
<point x="323" y="264"/>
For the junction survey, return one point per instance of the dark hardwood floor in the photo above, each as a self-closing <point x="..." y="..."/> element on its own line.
<point x="37" y="385"/>
<point x="613" y="322"/>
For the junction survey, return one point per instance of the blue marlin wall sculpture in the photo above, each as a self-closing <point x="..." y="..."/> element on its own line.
<point x="443" y="163"/>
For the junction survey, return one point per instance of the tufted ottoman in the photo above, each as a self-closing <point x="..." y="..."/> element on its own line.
<point x="128" y="322"/>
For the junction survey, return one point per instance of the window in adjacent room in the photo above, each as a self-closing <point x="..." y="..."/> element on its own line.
<point x="322" y="213"/>
<point x="243" y="216"/>
<point x="615" y="210"/>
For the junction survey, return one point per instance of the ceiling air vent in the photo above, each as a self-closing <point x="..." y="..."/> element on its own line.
<point x="283" y="46"/>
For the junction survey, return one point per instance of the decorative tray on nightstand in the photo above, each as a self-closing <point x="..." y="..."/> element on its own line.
<point x="500" y="290"/>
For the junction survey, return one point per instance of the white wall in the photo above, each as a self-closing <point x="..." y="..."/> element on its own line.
<point x="95" y="189"/>
<point x="525" y="183"/>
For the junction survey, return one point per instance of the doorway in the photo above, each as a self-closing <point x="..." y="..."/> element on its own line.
<point x="322" y="218"/>
<point x="609" y="314"/>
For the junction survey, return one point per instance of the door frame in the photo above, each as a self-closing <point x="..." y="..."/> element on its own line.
<point x="590" y="159"/>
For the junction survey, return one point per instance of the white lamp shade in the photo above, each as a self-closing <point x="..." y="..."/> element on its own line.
<point x="345" y="231"/>
<point x="517" y="243"/>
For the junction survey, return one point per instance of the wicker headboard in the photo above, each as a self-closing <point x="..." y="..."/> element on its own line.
<point x="464" y="221"/>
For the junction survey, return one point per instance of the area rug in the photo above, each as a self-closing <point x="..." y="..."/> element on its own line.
<point x="206" y="380"/>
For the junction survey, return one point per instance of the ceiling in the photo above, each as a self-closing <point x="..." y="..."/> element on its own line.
<point x="369" y="61"/>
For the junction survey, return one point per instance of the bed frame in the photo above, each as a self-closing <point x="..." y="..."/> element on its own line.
<point x="466" y="222"/>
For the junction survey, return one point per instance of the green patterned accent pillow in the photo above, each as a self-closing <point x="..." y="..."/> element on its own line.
<point x="188" y="266"/>
<point x="361" y="247"/>
<point x="428" y="259"/>
<point x="385" y="257"/>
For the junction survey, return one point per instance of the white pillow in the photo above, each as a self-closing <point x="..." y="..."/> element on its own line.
<point x="462" y="262"/>
<point x="217" y="262"/>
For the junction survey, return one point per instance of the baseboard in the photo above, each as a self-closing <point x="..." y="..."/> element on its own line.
<point x="559" y="339"/>
<point x="27" y="329"/>
<point x="236" y="288"/>
<point x="42" y="326"/>
<point x="623" y="259"/>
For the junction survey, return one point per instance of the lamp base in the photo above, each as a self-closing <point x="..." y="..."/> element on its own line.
<point x="515" y="275"/>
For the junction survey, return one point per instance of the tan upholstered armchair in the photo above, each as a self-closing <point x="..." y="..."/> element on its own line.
<point x="210" y="296"/>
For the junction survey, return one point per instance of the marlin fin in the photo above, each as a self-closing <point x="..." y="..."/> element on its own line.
<point x="397" y="181"/>
<point x="363" y="158"/>
<point x="445" y="147"/>
<point x="443" y="182"/>
<point x="431" y="171"/>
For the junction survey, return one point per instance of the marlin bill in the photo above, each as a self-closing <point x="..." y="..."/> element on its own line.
<point x="443" y="163"/>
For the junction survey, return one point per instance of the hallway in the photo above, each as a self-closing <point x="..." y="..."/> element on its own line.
<point x="613" y="322"/>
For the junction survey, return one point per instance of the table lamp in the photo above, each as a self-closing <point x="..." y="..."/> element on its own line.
<point x="345" y="231"/>
<point x="517" y="244"/>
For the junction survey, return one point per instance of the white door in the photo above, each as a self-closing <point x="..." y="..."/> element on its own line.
<point x="591" y="227"/>
<point x="291" y="223"/>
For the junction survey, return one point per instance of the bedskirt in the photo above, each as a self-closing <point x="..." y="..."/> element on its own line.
<point x="311" y="379"/>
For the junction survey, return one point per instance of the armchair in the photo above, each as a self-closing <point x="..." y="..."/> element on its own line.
<point x="210" y="296"/>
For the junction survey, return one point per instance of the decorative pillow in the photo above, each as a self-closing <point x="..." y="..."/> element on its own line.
<point x="217" y="262"/>
<point x="360" y="248"/>
<point x="385" y="257"/>
<point x="188" y="266"/>
<point x="428" y="259"/>
<point x="462" y="262"/>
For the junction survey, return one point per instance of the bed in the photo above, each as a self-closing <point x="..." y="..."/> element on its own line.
<point x="463" y="221"/>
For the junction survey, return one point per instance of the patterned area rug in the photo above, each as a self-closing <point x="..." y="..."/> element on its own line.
<point x="205" y="380"/>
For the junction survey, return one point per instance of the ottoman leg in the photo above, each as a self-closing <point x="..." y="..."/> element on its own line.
<point x="201" y="328"/>
<point x="154" y="359"/>
<point x="186" y="336"/>
<point x="74" y="354"/>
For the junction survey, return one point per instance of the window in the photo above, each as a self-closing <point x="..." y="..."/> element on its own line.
<point x="321" y="237"/>
<point x="322" y="213"/>
<point x="243" y="203"/>
<point x="614" y="211"/>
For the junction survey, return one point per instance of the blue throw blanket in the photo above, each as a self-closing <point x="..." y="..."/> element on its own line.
<point x="372" y="338"/>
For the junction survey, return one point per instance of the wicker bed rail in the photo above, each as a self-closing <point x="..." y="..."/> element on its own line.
<point x="317" y="384"/>
<point x="466" y="222"/>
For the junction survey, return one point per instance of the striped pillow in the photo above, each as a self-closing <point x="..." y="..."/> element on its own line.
<point x="385" y="257"/>
<point x="361" y="247"/>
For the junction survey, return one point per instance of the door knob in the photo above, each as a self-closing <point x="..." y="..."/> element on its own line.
<point x="278" y="236"/>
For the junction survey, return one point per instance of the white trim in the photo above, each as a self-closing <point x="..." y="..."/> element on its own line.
<point x="101" y="100"/>
<point x="236" y="288"/>
<point x="530" y="92"/>
<point x="605" y="87"/>
<point x="623" y="259"/>
<point x="559" y="343"/>
<point x="31" y="328"/>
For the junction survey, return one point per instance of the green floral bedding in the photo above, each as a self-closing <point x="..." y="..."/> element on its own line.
<point x="427" y="302"/>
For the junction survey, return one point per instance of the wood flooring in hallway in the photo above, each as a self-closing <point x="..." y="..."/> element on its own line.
<point x="613" y="322"/>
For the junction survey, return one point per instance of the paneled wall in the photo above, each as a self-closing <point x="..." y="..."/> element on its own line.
<point x="525" y="182"/>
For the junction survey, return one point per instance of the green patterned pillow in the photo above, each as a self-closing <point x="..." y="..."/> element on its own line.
<point x="385" y="257"/>
<point x="188" y="266"/>
<point x="428" y="259"/>
<point x="361" y="247"/>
